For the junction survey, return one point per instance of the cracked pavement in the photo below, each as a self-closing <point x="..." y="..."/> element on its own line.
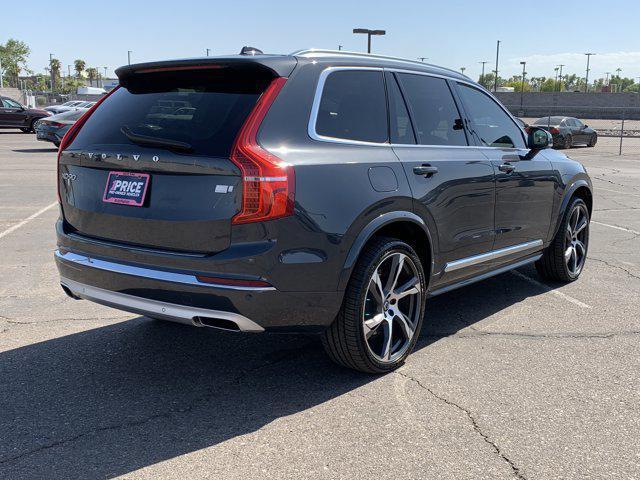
<point x="511" y="378"/>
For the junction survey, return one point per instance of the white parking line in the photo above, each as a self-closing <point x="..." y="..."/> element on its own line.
<point x="564" y="296"/>
<point x="616" y="227"/>
<point x="27" y="220"/>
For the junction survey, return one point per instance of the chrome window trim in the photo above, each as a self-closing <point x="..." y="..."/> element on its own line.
<point x="153" y="274"/>
<point x="492" y="255"/>
<point x="155" y="308"/>
<point x="317" y="98"/>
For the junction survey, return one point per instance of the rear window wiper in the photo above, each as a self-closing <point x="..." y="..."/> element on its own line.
<point x="156" y="141"/>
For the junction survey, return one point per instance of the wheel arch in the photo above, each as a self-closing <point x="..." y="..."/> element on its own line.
<point x="404" y="225"/>
<point x="580" y="188"/>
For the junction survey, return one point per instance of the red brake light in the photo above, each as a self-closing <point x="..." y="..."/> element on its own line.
<point x="54" y="124"/>
<point x="73" y="131"/>
<point x="268" y="183"/>
<point x="554" y="131"/>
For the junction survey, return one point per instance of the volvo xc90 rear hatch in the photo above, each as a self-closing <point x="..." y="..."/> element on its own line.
<point x="152" y="167"/>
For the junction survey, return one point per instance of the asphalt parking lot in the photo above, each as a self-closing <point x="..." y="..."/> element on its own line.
<point x="512" y="378"/>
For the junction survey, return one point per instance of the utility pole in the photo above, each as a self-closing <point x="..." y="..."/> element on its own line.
<point x="369" y="33"/>
<point x="560" y="76"/>
<point x="586" y="78"/>
<point x="129" y="57"/>
<point x="524" y="64"/>
<point x="208" y="50"/>
<point x="555" y="83"/>
<point x="1" y="75"/>
<point x="339" y="47"/>
<point x="422" y="59"/>
<point x="495" y="83"/>
<point x="462" y="69"/>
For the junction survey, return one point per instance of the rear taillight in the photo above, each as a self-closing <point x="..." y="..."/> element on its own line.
<point x="268" y="183"/>
<point x="53" y="124"/>
<point x="73" y="131"/>
<point x="554" y="131"/>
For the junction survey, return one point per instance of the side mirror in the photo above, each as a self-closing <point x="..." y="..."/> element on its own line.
<point x="584" y="127"/>
<point x="539" y="139"/>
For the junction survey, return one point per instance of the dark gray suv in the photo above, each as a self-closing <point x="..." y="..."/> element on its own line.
<point x="320" y="191"/>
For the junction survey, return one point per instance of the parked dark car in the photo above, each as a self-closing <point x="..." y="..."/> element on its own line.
<point x="568" y="131"/>
<point x="319" y="191"/>
<point x="53" y="128"/>
<point x="15" y="115"/>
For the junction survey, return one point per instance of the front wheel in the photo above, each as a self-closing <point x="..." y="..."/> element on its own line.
<point x="564" y="259"/>
<point x="592" y="141"/>
<point x="381" y="314"/>
<point x="568" y="142"/>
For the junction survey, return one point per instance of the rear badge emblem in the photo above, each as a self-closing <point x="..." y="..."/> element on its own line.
<point x="224" y="188"/>
<point x="136" y="157"/>
<point x="155" y="158"/>
<point x="69" y="176"/>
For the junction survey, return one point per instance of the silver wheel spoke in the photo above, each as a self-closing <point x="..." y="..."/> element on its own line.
<point x="582" y="247"/>
<point x="377" y="291"/>
<point x="575" y="260"/>
<point x="397" y="264"/>
<point x="581" y="226"/>
<point x="386" y="344"/>
<point x="371" y="325"/>
<point x="407" y="328"/>
<point x="576" y="215"/>
<point x="412" y="287"/>
<point x="567" y="253"/>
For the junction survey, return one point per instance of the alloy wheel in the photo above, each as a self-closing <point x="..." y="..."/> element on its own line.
<point x="392" y="307"/>
<point x="576" y="238"/>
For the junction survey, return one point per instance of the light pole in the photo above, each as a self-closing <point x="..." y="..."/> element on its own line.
<point x="482" y="75"/>
<point x="560" y="76"/>
<point x="586" y="78"/>
<point x="339" y="47"/>
<point x="607" y="79"/>
<point x="51" y="70"/>
<point x="1" y="75"/>
<point x="129" y="57"/>
<point x="462" y="69"/>
<point x="369" y="33"/>
<point x="495" y="83"/>
<point x="208" y="50"/>
<point x="422" y="59"/>
<point x="555" y="83"/>
<point x="524" y="64"/>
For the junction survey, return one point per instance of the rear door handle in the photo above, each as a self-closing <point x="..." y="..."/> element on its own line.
<point x="426" y="170"/>
<point x="506" y="168"/>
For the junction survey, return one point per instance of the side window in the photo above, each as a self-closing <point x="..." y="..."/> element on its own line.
<point x="400" y="123"/>
<point x="11" y="104"/>
<point x="491" y="124"/>
<point x="577" y="123"/>
<point x="436" y="118"/>
<point x="353" y="106"/>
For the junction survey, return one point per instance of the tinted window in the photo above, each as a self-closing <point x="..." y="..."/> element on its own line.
<point x="577" y="122"/>
<point x="401" y="130"/>
<point x="203" y="110"/>
<point x="11" y="104"/>
<point x="353" y="106"/>
<point x="491" y="124"/>
<point x="435" y="115"/>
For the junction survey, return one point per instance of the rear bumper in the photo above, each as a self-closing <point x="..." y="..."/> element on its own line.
<point x="179" y="296"/>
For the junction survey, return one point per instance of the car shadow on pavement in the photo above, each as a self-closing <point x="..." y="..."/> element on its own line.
<point x="111" y="400"/>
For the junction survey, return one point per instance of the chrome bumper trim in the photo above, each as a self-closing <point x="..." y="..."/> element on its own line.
<point x="154" y="308"/>
<point x="486" y="257"/>
<point x="151" y="273"/>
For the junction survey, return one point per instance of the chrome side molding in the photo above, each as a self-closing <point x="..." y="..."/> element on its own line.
<point x="493" y="255"/>
<point x="155" y="308"/>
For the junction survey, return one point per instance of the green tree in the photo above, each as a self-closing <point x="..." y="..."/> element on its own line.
<point x="55" y="66"/>
<point x="488" y="80"/>
<point x="79" y="66"/>
<point x="14" y="55"/>
<point x="71" y="85"/>
<point x="92" y="73"/>
<point x="550" y="85"/>
<point x="623" y="84"/>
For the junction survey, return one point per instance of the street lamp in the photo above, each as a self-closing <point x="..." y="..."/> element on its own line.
<point x="586" y="78"/>
<point x="560" y="76"/>
<point x="422" y="59"/>
<point x="482" y="75"/>
<point x="129" y="56"/>
<point x="495" y="83"/>
<point x="369" y="33"/>
<point x="462" y="69"/>
<point x="208" y="50"/>
<point x="524" y="64"/>
<point x="339" y="47"/>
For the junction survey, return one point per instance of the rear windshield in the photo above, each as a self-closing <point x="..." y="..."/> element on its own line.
<point x="202" y="109"/>
<point x="549" y="121"/>
<point x="71" y="115"/>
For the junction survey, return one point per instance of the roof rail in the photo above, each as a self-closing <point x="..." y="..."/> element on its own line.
<point x="369" y="55"/>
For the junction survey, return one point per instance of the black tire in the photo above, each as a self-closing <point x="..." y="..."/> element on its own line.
<point x="30" y="128"/>
<point x="554" y="264"/>
<point x="567" y="143"/>
<point x="592" y="141"/>
<point x="345" y="341"/>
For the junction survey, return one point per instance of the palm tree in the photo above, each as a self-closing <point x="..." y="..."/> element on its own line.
<point x="79" y="66"/>
<point x="92" y="73"/>
<point x="55" y="72"/>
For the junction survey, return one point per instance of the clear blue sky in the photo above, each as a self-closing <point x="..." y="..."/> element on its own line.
<point x="450" y="33"/>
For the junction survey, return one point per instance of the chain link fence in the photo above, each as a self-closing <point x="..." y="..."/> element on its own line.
<point x="618" y="128"/>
